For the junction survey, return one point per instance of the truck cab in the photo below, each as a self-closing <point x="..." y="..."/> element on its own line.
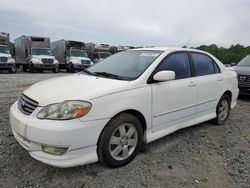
<point x="77" y="59"/>
<point x="99" y="56"/>
<point x="6" y="60"/>
<point x="42" y="59"/>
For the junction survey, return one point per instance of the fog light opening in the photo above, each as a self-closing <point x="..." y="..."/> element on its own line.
<point x="54" y="150"/>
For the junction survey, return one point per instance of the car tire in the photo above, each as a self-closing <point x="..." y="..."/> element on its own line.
<point x="55" y="70"/>
<point x="71" y="68"/>
<point x="222" y="110"/>
<point x="24" y="68"/>
<point x="120" y="140"/>
<point x="31" y="68"/>
<point x="13" y="69"/>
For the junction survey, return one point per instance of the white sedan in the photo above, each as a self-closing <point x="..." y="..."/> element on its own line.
<point x="108" y="111"/>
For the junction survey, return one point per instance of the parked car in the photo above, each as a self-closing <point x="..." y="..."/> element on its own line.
<point x="243" y="71"/>
<point x="107" y="111"/>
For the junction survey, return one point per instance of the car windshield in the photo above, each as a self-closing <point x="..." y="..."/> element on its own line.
<point x="41" y="51"/>
<point x="103" y="55"/>
<point x="128" y="65"/>
<point x="245" y="61"/>
<point x="4" y="49"/>
<point x="78" y="53"/>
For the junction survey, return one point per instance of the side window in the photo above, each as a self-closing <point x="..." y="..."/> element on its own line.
<point x="203" y="65"/>
<point x="216" y="68"/>
<point x="177" y="62"/>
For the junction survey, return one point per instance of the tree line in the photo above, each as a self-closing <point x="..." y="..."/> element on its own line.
<point x="233" y="54"/>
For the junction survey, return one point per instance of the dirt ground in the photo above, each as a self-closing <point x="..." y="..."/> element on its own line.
<point x="204" y="155"/>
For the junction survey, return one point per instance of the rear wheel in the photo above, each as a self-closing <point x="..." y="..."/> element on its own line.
<point x="222" y="110"/>
<point x="120" y="141"/>
<point x="24" y="68"/>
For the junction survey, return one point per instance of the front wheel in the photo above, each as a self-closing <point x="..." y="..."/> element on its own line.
<point x="13" y="69"/>
<point x="120" y="141"/>
<point x="32" y="68"/>
<point x="222" y="110"/>
<point x="55" y="70"/>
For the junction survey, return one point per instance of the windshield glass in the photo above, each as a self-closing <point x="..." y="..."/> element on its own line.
<point x="4" y="49"/>
<point x="78" y="53"/>
<point x="127" y="64"/>
<point x="245" y="61"/>
<point x="41" y="51"/>
<point x="103" y="55"/>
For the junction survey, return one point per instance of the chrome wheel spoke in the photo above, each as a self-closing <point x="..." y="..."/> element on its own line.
<point x="132" y="142"/>
<point x="130" y="132"/>
<point x="125" y="152"/>
<point x="115" y="140"/>
<point x="122" y="130"/>
<point x="117" y="151"/>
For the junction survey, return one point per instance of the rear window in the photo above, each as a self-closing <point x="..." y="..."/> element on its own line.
<point x="203" y="65"/>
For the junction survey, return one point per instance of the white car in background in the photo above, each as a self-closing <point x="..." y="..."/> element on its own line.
<point x="106" y="112"/>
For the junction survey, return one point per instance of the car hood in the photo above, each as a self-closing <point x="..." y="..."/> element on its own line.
<point x="244" y="70"/>
<point x="73" y="87"/>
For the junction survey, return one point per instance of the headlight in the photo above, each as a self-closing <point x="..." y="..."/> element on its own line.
<point x="65" y="110"/>
<point x="242" y="78"/>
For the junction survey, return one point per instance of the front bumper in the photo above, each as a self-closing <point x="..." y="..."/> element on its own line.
<point x="244" y="90"/>
<point x="46" y="66"/>
<point x="5" y="66"/>
<point x="79" y="137"/>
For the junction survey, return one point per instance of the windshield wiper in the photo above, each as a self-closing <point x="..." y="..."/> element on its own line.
<point x="106" y="74"/>
<point x="88" y="72"/>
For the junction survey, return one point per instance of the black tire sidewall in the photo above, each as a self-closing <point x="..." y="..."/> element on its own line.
<point x="103" y="144"/>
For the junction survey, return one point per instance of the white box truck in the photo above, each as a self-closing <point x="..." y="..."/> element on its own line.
<point x="71" y="55"/>
<point x="6" y="60"/>
<point x="34" y="54"/>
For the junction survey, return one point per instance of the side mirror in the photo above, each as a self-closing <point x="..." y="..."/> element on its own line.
<point x="163" y="76"/>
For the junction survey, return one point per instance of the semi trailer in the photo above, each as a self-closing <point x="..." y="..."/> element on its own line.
<point x="7" y="62"/>
<point x="71" y="55"/>
<point x="34" y="54"/>
<point x="98" y="52"/>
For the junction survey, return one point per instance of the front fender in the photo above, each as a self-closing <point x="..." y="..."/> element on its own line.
<point x="108" y="106"/>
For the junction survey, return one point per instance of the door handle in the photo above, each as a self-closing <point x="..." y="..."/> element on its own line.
<point x="191" y="84"/>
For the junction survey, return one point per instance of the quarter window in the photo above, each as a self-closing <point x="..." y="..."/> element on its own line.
<point x="177" y="62"/>
<point x="203" y="65"/>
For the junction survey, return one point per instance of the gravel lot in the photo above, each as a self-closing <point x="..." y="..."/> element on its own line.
<point x="201" y="156"/>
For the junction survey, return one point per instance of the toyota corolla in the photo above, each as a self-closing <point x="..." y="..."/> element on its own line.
<point x="109" y="110"/>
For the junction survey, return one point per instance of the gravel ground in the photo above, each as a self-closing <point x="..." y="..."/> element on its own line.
<point x="200" y="156"/>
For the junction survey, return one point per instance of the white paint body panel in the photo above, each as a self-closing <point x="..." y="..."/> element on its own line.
<point x="166" y="107"/>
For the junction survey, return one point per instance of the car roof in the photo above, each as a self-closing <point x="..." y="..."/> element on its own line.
<point x="168" y="49"/>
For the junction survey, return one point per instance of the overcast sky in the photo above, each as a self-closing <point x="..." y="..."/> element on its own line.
<point x="130" y="22"/>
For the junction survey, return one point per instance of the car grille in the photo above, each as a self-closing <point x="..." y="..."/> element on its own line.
<point x="244" y="83"/>
<point x="3" y="59"/>
<point x="47" y="61"/>
<point x="87" y="62"/>
<point x="26" y="105"/>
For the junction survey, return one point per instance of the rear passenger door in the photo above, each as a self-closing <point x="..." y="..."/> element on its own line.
<point x="209" y="83"/>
